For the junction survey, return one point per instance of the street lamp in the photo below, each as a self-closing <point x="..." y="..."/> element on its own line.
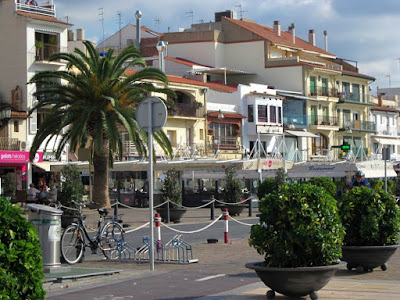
<point x="160" y="48"/>
<point x="220" y="115"/>
<point x="138" y="15"/>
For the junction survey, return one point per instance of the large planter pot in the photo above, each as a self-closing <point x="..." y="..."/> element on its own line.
<point x="234" y="209"/>
<point x="294" y="282"/>
<point x="175" y="214"/>
<point x="366" y="258"/>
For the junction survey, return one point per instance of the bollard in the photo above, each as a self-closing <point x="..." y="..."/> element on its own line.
<point x="250" y="207"/>
<point x="212" y="217"/>
<point x="157" y="221"/>
<point x="226" y="233"/>
<point x="168" y="216"/>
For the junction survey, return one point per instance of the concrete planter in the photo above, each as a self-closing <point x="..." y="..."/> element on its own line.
<point x="234" y="209"/>
<point x="175" y="214"/>
<point x="366" y="258"/>
<point x="294" y="282"/>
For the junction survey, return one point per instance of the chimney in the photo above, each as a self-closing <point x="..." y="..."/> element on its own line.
<point x="380" y="99"/>
<point x="326" y="40"/>
<point x="80" y="34"/>
<point x="277" y="28"/>
<point x="292" y="30"/>
<point x="71" y="35"/>
<point x="311" y="37"/>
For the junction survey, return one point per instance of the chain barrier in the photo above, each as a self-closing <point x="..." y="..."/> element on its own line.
<point x="194" y="231"/>
<point x="197" y="207"/>
<point x="137" y="228"/>
<point x="236" y="203"/>
<point x="237" y="221"/>
<point x="66" y="207"/>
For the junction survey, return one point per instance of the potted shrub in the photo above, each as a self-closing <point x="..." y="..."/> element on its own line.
<point x="71" y="188"/>
<point x="300" y="235"/>
<point x="372" y="219"/>
<point x="232" y="192"/>
<point x="171" y="191"/>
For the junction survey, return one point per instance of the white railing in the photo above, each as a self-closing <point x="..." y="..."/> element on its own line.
<point x="48" y="10"/>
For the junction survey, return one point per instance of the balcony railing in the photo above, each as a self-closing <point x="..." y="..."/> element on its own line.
<point x="359" y="125"/>
<point x="225" y="143"/>
<point x="187" y="110"/>
<point x="355" y="98"/>
<point x="323" y="91"/>
<point x="48" y="10"/>
<point x="324" y="120"/>
<point x="10" y="144"/>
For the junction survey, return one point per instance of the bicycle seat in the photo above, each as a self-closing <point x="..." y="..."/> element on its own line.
<point x="103" y="211"/>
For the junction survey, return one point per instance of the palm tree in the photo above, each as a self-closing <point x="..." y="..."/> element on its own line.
<point x="91" y="101"/>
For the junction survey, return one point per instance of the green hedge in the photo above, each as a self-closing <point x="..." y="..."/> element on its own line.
<point x="325" y="183"/>
<point x="21" y="266"/>
<point x="371" y="217"/>
<point x="299" y="227"/>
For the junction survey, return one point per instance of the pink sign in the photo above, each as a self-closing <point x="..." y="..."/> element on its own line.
<point x="19" y="157"/>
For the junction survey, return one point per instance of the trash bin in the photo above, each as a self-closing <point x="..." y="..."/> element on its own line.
<point x="47" y="221"/>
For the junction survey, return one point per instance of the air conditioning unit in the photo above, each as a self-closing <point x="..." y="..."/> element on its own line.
<point x="23" y="146"/>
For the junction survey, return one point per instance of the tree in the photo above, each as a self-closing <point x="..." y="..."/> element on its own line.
<point x="91" y="101"/>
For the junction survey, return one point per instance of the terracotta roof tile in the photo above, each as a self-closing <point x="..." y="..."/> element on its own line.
<point x="42" y="17"/>
<point x="19" y="114"/>
<point x="285" y="38"/>
<point x="384" y="108"/>
<point x="186" y="62"/>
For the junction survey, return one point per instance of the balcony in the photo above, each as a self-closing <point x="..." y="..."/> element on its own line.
<point x="187" y="110"/>
<point x="323" y="91"/>
<point x="48" y="10"/>
<point x="324" y="121"/>
<point x="364" y="126"/>
<point x="10" y="144"/>
<point x="225" y="143"/>
<point x="355" y="98"/>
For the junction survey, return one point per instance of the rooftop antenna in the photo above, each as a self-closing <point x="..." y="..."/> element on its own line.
<point x="101" y="14"/>
<point x="157" y="22"/>
<point x="67" y="18"/>
<point x="119" y="24"/>
<point x="241" y="11"/>
<point x="398" y="59"/>
<point x="190" y="14"/>
<point x="200" y="21"/>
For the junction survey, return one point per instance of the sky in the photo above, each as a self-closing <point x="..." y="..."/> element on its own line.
<point x="366" y="31"/>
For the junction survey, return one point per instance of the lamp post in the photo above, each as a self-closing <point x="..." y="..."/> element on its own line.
<point x="160" y="48"/>
<point x="138" y="15"/>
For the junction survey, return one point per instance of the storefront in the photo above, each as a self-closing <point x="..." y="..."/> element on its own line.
<point x="16" y="163"/>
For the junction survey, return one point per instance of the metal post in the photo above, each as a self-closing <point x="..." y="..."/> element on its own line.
<point x="138" y="15"/>
<point x="168" y="214"/>
<point x="385" y="176"/>
<point x="212" y="217"/>
<point x="150" y="179"/>
<point x="250" y="201"/>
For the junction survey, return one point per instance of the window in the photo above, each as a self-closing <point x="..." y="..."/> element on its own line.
<point x="356" y="92"/>
<point x="319" y="144"/>
<point x="16" y="126"/>
<point x="324" y="87"/>
<point x="280" y="115"/>
<point x="201" y="134"/>
<point x="272" y="114"/>
<point x="262" y="113"/>
<point x="312" y="86"/>
<point x="250" y="113"/>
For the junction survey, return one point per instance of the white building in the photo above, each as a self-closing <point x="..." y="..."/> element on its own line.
<point x="29" y="35"/>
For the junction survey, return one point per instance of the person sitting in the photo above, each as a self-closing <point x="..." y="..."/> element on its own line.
<point x="33" y="2"/>
<point x="359" y="180"/>
<point x="43" y="196"/>
<point x="52" y="194"/>
<point x="32" y="194"/>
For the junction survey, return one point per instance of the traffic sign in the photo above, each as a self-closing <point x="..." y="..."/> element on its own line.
<point x="158" y="113"/>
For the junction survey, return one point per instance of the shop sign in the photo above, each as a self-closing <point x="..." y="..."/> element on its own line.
<point x="270" y="129"/>
<point x="49" y="156"/>
<point x="19" y="157"/>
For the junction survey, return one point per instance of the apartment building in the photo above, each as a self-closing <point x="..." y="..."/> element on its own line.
<point x="29" y="34"/>
<point x="325" y="95"/>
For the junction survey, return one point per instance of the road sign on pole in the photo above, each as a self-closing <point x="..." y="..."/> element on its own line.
<point x="151" y="115"/>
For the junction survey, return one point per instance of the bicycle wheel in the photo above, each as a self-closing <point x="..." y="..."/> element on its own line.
<point x="72" y="244"/>
<point x="112" y="236"/>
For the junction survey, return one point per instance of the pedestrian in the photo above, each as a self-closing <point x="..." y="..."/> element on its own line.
<point x="43" y="195"/>
<point x="32" y="194"/>
<point x="359" y="180"/>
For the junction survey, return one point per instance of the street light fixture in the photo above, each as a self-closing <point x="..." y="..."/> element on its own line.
<point x="160" y="48"/>
<point x="220" y="115"/>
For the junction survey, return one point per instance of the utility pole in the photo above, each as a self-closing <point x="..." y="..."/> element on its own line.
<point x="101" y="14"/>
<point x="390" y="85"/>
<point x="190" y="14"/>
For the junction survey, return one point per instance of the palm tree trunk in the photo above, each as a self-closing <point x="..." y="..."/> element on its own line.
<point x="101" y="169"/>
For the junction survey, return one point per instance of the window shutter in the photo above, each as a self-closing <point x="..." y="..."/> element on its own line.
<point x="33" y="123"/>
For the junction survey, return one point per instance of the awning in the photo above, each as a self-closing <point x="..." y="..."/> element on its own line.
<point x="387" y="141"/>
<point x="45" y="166"/>
<point x="302" y="133"/>
<point x="376" y="169"/>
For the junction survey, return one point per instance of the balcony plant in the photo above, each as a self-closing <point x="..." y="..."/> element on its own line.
<point x="372" y="219"/>
<point x="300" y="235"/>
<point x="172" y="191"/>
<point x="232" y="192"/>
<point x="39" y="46"/>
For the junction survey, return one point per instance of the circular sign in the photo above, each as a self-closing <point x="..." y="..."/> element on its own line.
<point x="270" y="164"/>
<point x="158" y="114"/>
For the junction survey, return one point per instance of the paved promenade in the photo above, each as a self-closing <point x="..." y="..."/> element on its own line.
<point x="224" y="263"/>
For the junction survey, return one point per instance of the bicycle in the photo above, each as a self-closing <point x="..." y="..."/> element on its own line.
<point x="75" y="238"/>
